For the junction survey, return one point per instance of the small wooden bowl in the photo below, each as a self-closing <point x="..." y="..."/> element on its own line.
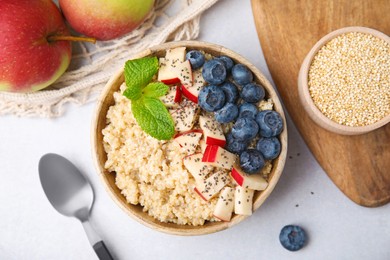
<point x="303" y="89"/>
<point x="108" y="178"/>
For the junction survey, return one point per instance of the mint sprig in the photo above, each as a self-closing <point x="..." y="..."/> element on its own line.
<point x="149" y="111"/>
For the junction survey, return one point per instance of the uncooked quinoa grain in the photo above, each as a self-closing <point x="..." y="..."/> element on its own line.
<point x="349" y="79"/>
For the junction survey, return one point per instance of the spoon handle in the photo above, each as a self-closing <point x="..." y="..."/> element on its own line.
<point x="96" y="242"/>
<point x="102" y="251"/>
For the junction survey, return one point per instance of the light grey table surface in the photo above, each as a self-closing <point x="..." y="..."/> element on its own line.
<point x="31" y="229"/>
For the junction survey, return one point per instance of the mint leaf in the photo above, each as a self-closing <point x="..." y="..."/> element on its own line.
<point x="153" y="117"/>
<point x="138" y="73"/>
<point x="132" y="93"/>
<point x="155" y="89"/>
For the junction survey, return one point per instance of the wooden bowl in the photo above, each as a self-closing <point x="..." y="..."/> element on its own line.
<point x="108" y="178"/>
<point x="303" y="89"/>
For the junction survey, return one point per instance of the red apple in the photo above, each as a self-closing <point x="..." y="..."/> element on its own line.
<point x="30" y="57"/>
<point x="103" y="19"/>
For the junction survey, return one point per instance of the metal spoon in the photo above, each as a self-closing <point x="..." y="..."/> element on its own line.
<point x="71" y="195"/>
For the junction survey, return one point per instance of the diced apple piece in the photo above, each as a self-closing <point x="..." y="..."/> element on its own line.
<point x="166" y="74"/>
<point x="225" y="204"/>
<point x="212" y="185"/>
<point x="212" y="131"/>
<point x="192" y="92"/>
<point x="175" y="73"/>
<point x="243" y="201"/>
<point x="198" y="169"/>
<point x="184" y="73"/>
<point x="176" y="54"/>
<point x="219" y="157"/>
<point x="251" y="181"/>
<point x="189" y="141"/>
<point x="184" y="116"/>
<point x="173" y="97"/>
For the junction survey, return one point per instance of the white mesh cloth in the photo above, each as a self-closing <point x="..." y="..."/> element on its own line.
<point x="92" y="65"/>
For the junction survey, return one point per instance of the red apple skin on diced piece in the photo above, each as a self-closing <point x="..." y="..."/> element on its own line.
<point x="188" y="94"/>
<point x="253" y="181"/>
<point x="171" y="81"/>
<point x="219" y="157"/>
<point x="214" y="141"/>
<point x="243" y="201"/>
<point x="225" y="204"/>
<point x="178" y="96"/>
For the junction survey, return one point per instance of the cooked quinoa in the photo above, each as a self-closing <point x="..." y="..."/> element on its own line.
<point x="349" y="79"/>
<point x="150" y="172"/>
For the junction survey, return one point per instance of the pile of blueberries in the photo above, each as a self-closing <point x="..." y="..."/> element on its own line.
<point x="231" y="103"/>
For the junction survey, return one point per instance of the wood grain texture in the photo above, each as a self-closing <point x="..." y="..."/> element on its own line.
<point x="100" y="157"/>
<point x="358" y="165"/>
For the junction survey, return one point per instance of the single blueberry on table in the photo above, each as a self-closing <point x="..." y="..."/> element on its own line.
<point x="241" y="74"/>
<point x="245" y="129"/>
<point x="211" y="98"/>
<point x="247" y="110"/>
<point x="269" y="147"/>
<point x="228" y="62"/>
<point x="270" y="123"/>
<point x="252" y="93"/>
<point x="292" y="237"/>
<point x="235" y="146"/>
<point x="214" y="72"/>
<point x="251" y="161"/>
<point x="231" y="91"/>
<point x="228" y="113"/>
<point x="196" y="59"/>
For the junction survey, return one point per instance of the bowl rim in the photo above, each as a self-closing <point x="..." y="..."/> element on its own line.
<point x="178" y="229"/>
<point x="303" y="89"/>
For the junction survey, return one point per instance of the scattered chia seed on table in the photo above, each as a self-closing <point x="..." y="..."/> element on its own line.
<point x="349" y="79"/>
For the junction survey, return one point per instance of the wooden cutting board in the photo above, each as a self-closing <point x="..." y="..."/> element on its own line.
<point x="358" y="165"/>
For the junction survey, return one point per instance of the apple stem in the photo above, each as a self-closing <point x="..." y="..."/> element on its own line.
<point x="53" y="38"/>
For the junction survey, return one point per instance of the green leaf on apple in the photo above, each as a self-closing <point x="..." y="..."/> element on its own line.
<point x="153" y="117"/>
<point x="149" y="111"/>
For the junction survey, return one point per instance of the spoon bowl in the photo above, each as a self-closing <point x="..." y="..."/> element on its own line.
<point x="67" y="189"/>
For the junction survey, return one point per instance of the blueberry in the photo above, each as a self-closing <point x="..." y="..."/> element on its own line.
<point x="269" y="147"/>
<point x="245" y="129"/>
<point x="270" y="123"/>
<point x="231" y="92"/>
<point x="252" y="93"/>
<point x="292" y="237"/>
<point x="196" y="59"/>
<point x="241" y="74"/>
<point x="227" y="62"/>
<point x="214" y="72"/>
<point x="211" y="98"/>
<point x="251" y="161"/>
<point x="235" y="146"/>
<point x="247" y="110"/>
<point x="227" y="113"/>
